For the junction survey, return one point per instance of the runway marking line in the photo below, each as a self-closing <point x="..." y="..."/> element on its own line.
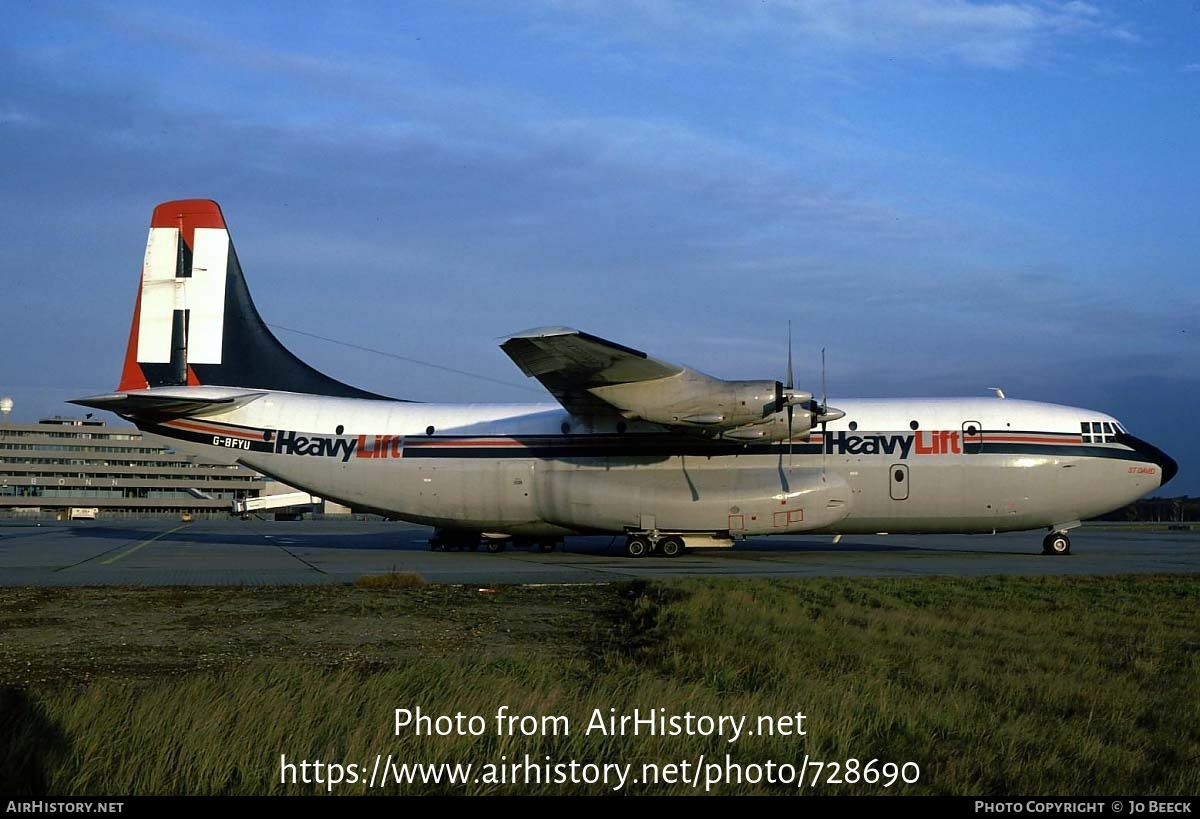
<point x="146" y="542"/>
<point x="279" y="543"/>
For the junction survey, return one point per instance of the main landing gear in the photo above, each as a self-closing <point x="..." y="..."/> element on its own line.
<point x="641" y="544"/>
<point x="1056" y="543"/>
<point x="458" y="540"/>
<point x="454" y="540"/>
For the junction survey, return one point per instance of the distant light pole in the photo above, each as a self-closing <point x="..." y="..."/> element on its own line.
<point x="6" y="405"/>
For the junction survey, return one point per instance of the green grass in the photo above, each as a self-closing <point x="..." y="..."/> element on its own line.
<point x="993" y="686"/>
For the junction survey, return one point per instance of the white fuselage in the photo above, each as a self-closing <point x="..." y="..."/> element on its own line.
<point x="899" y="465"/>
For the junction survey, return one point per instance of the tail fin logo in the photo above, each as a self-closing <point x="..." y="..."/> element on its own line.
<point x="194" y="321"/>
<point x="179" y="319"/>
<point x="183" y="286"/>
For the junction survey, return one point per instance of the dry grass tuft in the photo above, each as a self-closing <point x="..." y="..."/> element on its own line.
<point x="390" y="581"/>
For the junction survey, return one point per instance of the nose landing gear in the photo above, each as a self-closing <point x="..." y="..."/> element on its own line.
<point x="1056" y="543"/>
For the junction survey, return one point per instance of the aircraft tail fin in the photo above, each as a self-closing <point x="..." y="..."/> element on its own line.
<point x="194" y="321"/>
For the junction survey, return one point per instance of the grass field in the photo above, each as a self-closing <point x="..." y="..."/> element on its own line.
<point x="993" y="686"/>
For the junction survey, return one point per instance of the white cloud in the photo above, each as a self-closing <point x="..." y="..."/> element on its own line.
<point x="989" y="34"/>
<point x="15" y="116"/>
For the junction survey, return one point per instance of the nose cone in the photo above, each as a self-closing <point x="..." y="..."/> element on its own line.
<point x="1153" y="454"/>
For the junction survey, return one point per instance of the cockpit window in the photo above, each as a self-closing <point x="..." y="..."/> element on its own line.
<point x="1099" y="432"/>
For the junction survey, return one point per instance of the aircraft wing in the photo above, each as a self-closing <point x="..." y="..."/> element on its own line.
<point x="570" y="363"/>
<point x="591" y="376"/>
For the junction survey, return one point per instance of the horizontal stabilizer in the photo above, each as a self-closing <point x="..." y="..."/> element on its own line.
<point x="150" y="404"/>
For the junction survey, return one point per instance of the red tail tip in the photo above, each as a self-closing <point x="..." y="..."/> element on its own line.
<point x="194" y="213"/>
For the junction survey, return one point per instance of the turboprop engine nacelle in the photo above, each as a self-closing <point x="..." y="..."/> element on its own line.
<point x="775" y="428"/>
<point x="692" y="399"/>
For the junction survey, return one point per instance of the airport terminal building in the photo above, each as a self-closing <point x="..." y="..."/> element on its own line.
<point x="60" y="464"/>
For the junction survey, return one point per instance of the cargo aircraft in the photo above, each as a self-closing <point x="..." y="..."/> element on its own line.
<point x="665" y="456"/>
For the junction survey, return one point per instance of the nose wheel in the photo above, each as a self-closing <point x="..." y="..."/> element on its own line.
<point x="1056" y="543"/>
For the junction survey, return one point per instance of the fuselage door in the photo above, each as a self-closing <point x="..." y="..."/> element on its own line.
<point x="898" y="481"/>
<point x="972" y="437"/>
<point x="517" y="497"/>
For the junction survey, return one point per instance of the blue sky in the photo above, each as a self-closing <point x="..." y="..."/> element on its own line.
<point x="948" y="195"/>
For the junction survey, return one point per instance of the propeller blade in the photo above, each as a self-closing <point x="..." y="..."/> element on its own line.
<point x="790" y="410"/>
<point x="791" y="385"/>
<point x="824" y="402"/>
<point x="824" y="406"/>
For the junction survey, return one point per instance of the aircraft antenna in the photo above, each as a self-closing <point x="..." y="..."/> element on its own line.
<point x="417" y="361"/>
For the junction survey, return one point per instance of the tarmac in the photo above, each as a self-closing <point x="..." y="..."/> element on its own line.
<point x="276" y="553"/>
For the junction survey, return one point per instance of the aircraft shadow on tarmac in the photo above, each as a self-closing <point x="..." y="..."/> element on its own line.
<point x="604" y="548"/>
<point x="844" y="546"/>
<point x="282" y="537"/>
<point x="931" y="549"/>
<point x="415" y="541"/>
<point x="166" y="536"/>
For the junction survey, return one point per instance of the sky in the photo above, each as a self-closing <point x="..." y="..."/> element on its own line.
<point x="946" y="195"/>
